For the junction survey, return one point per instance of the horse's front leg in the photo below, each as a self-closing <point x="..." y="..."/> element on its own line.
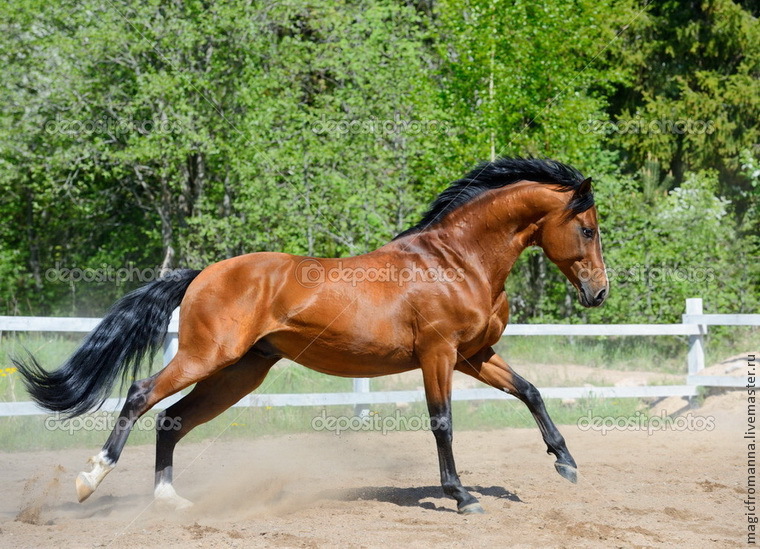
<point x="437" y="373"/>
<point x="490" y="368"/>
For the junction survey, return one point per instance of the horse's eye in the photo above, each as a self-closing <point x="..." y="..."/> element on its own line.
<point x="588" y="233"/>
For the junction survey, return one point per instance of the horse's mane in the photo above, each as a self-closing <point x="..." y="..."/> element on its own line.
<point x="497" y="174"/>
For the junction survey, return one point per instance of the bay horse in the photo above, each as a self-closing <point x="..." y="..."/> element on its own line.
<point x="432" y="298"/>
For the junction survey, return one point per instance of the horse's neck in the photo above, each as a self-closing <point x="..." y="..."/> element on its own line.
<point x="492" y="231"/>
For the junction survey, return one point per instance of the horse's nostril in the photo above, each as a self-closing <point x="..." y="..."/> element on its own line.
<point x="601" y="295"/>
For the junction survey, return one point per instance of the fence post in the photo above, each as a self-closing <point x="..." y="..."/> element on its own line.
<point x="696" y="358"/>
<point x="171" y="343"/>
<point x="361" y="385"/>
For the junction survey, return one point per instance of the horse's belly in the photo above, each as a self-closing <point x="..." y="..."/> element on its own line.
<point x="345" y="357"/>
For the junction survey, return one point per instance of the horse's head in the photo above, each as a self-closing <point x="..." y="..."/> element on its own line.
<point x="570" y="238"/>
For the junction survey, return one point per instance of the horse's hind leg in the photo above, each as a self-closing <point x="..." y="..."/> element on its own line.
<point x="208" y="399"/>
<point x="182" y="371"/>
<point x="490" y="368"/>
<point x="105" y="461"/>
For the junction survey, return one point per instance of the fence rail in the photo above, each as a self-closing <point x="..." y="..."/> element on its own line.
<point x="694" y="325"/>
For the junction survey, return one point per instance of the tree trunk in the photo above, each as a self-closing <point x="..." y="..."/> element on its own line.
<point x="167" y="231"/>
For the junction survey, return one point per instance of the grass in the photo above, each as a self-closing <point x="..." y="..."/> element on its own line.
<point x="664" y="355"/>
<point x="52" y="350"/>
<point x="91" y="430"/>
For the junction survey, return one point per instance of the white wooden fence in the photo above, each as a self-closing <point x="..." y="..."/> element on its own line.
<point x="694" y="325"/>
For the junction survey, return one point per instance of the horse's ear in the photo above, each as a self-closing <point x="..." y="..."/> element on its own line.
<point x="584" y="188"/>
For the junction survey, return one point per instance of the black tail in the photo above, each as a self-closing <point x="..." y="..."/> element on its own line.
<point x="135" y="326"/>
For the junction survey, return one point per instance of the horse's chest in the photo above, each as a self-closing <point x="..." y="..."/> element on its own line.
<point x="489" y="331"/>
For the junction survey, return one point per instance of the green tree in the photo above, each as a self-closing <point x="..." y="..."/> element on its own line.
<point x="155" y="134"/>
<point x="693" y="98"/>
<point x="346" y="134"/>
<point x="523" y="78"/>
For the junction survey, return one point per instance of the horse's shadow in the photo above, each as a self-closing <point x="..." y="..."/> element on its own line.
<point x="412" y="497"/>
<point x="107" y="505"/>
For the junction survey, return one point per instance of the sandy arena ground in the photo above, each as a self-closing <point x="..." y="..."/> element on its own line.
<point x="664" y="489"/>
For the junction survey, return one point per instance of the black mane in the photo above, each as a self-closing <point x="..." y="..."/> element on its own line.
<point x="497" y="174"/>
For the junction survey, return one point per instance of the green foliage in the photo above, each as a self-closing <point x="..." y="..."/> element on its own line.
<point x="520" y="78"/>
<point x="700" y="107"/>
<point x="684" y="245"/>
<point x="658" y="254"/>
<point x="142" y="134"/>
<point x="334" y="162"/>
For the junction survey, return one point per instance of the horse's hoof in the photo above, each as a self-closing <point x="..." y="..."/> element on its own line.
<point x="167" y="498"/>
<point x="471" y="509"/>
<point x="87" y="482"/>
<point x="567" y="471"/>
<point x="84" y="487"/>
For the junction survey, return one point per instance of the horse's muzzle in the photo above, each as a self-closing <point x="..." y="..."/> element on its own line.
<point x="592" y="297"/>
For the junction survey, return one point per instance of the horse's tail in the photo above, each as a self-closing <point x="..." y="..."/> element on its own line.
<point x="136" y="325"/>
